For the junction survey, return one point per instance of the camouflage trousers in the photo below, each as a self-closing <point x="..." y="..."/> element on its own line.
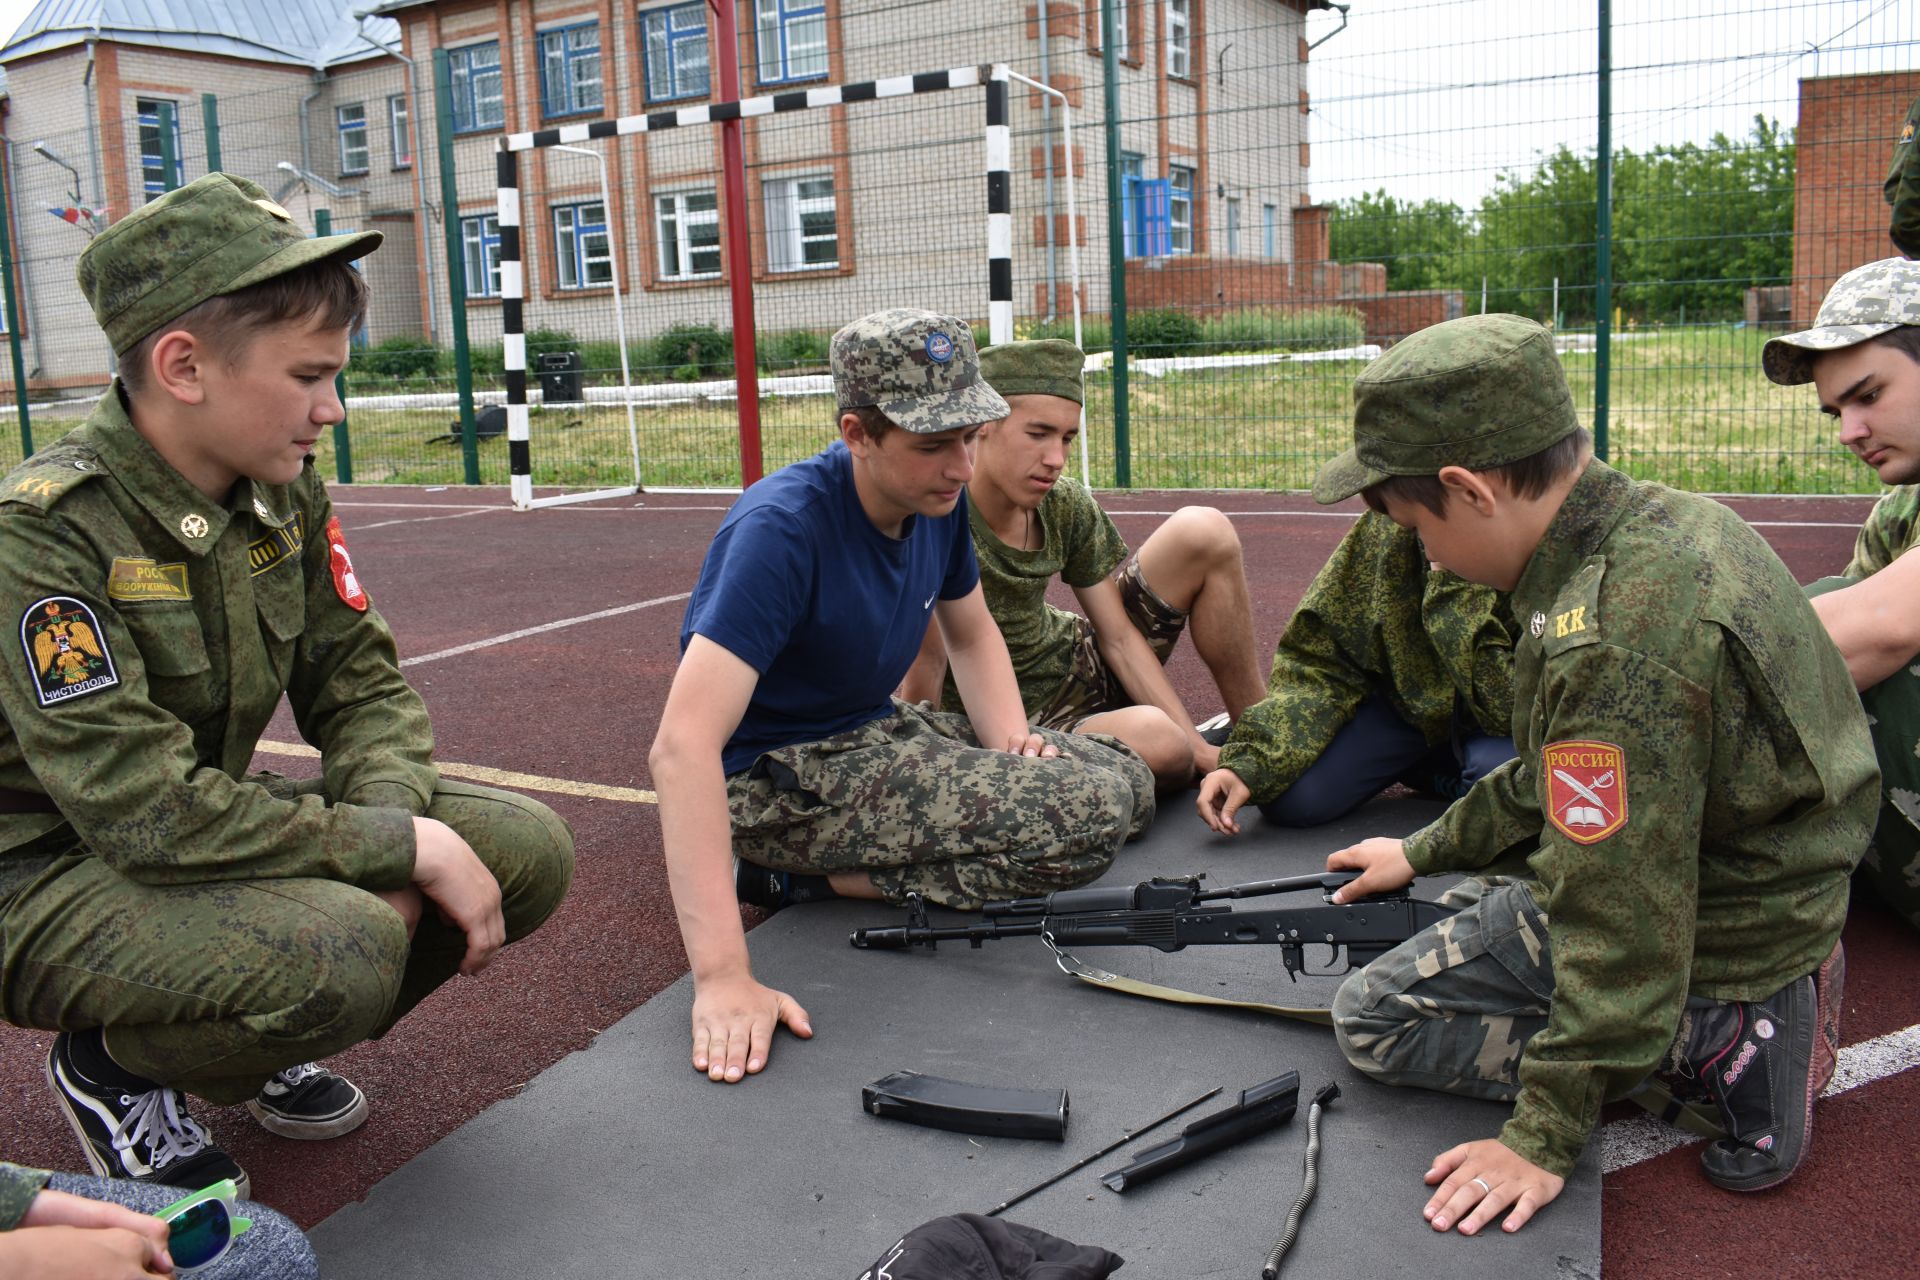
<point x="1091" y="687"/>
<point x="1891" y="867"/>
<point x="1453" y="1007"/>
<point x="914" y="800"/>
<point x="213" y="987"/>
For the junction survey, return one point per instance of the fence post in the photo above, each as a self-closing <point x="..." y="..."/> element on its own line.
<point x="1116" y="250"/>
<point x="210" y="122"/>
<point x="1603" y="240"/>
<point x="13" y="309"/>
<point x="342" y="443"/>
<point x="163" y="118"/>
<point x="739" y="260"/>
<point x="456" y="261"/>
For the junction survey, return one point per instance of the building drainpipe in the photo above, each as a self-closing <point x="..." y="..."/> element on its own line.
<point x="26" y="290"/>
<point x="1046" y="146"/>
<point x="413" y="128"/>
<point x="306" y="142"/>
<point x="93" y="159"/>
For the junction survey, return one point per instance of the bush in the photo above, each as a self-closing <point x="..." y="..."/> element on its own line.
<point x="398" y="357"/>
<point x="697" y="347"/>
<point x="543" y="340"/>
<point x="1300" y="329"/>
<point x="791" y="349"/>
<point x="1163" y="332"/>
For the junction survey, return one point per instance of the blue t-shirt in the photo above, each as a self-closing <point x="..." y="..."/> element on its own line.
<point x="801" y="586"/>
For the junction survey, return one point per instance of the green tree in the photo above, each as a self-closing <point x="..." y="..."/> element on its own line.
<point x="1420" y="243"/>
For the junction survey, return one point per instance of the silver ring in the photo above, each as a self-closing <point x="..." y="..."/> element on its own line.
<point x="1484" y="1186"/>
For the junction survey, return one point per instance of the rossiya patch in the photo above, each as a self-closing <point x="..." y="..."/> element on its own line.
<point x="1586" y="788"/>
<point x="345" y="583"/>
<point x="66" y="650"/>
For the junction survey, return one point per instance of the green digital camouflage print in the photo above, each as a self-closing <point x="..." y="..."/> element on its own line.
<point x="1091" y="687"/>
<point x="18" y="1187"/>
<point x="1696" y="776"/>
<point x="1376" y="620"/>
<point x="915" y="801"/>
<point x="1903" y="185"/>
<point x="917" y="367"/>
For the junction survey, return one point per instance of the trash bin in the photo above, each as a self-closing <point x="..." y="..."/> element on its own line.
<point x="559" y="374"/>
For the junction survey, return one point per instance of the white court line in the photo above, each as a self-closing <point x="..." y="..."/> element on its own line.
<point x="491" y="777"/>
<point x="524" y="632"/>
<point x="1628" y="1142"/>
<point x="430" y="506"/>
<point x="458" y="515"/>
<point x="1805" y="524"/>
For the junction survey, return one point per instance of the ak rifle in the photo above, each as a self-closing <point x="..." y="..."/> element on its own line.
<point x="1172" y="913"/>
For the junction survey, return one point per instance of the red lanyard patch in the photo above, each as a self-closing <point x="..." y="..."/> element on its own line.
<point x="345" y="583"/>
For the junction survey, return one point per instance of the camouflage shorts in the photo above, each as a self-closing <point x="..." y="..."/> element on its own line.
<point x="1091" y="688"/>
<point x="1452" y="1007"/>
<point x="914" y="800"/>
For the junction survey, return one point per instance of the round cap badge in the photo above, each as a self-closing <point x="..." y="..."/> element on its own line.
<point x="939" y="347"/>
<point x="193" y="525"/>
<point x="1539" y="625"/>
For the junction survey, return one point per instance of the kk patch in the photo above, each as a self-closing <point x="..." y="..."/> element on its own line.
<point x="345" y="584"/>
<point x="1586" y="789"/>
<point x="66" y="652"/>
<point x="275" y="546"/>
<point x="133" y="578"/>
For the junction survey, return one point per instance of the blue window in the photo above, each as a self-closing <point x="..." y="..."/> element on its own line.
<point x="676" y="52"/>
<point x="352" y="124"/>
<point x="570" y="69"/>
<point x="580" y="243"/>
<point x="791" y="36"/>
<point x="477" y="101"/>
<point x="480" y="248"/>
<point x="1144" y="207"/>
<point x="152" y="166"/>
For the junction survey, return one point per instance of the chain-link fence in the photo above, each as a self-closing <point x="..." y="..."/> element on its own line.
<point x="1277" y="190"/>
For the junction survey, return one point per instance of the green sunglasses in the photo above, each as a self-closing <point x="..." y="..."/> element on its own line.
<point x="202" y="1227"/>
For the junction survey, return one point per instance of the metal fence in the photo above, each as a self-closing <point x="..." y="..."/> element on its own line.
<point x="1264" y="194"/>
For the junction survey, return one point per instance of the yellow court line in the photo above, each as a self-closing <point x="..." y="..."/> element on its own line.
<point x="493" y="777"/>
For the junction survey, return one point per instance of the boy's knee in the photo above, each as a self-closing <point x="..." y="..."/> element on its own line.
<point x="1207" y="531"/>
<point x="1355" y="1025"/>
<point x="338" y="978"/>
<point x="1309" y="803"/>
<point x="525" y="844"/>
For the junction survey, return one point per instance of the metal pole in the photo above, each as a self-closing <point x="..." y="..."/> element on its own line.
<point x="210" y="123"/>
<point x="1116" y="251"/>
<point x="733" y="167"/>
<point x="13" y="314"/>
<point x="456" y="261"/>
<point x="1603" y="240"/>
<point x="342" y="444"/>
<point x="999" y="209"/>
<point x="163" y="117"/>
<point x="619" y="315"/>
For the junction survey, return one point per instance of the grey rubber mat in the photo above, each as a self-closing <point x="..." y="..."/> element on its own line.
<point x="620" y="1161"/>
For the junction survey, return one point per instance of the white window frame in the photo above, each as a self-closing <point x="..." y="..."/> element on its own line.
<point x="147" y="116"/>
<point x="573" y="234"/>
<point x="564" y="91"/>
<point x="354" y="158"/>
<point x="1179" y="39"/>
<point x="673" y="224"/>
<point x="775" y="24"/>
<point x="662" y="41"/>
<point x="480" y="249"/>
<point x="1180" y="201"/>
<point x="474" y="108"/>
<point x="400" y="125"/>
<point x="1270" y="229"/>
<point x="1233" y="226"/>
<point x="787" y="210"/>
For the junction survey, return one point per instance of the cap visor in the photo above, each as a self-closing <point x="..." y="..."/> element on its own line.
<point x="948" y="410"/>
<point x="294" y="256"/>
<point x="1788" y="359"/>
<point x="1345" y="476"/>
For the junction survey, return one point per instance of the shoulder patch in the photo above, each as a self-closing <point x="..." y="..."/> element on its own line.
<point x="1586" y="786"/>
<point x="345" y="583"/>
<point x="47" y="477"/>
<point x="66" y="650"/>
<point x="1573" y="619"/>
<point x="135" y="578"/>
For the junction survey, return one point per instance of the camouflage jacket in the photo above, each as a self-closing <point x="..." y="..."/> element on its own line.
<point x="18" y="1187"/>
<point x="158" y="631"/>
<point x="1903" y="185"/>
<point x="1695" y="767"/>
<point x="1376" y="620"/>
<point x="1891" y="529"/>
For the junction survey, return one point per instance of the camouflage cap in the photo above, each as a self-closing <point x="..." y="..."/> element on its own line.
<point x="215" y="235"/>
<point x="1864" y="303"/>
<point x="917" y="367"/>
<point x="1048" y="367"/>
<point x="1478" y="392"/>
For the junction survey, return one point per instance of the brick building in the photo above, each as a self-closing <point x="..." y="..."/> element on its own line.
<point x="1848" y="125"/>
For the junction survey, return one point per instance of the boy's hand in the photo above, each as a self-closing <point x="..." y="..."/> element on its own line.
<point x="453" y="878"/>
<point x="1479" y="1179"/>
<point x="733" y="1023"/>
<point x="1031" y="744"/>
<point x="1381" y="862"/>
<point x="82" y="1253"/>
<point x="1221" y="795"/>
<point x="59" y="1209"/>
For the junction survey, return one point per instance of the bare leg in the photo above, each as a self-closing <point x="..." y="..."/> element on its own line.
<point x="1154" y="738"/>
<point x="1193" y="563"/>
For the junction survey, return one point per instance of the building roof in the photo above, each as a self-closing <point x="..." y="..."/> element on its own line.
<point x="309" y="33"/>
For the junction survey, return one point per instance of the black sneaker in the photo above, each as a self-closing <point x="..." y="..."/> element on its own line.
<point x="1215" y="731"/>
<point x="308" y="1101"/>
<point x="142" y="1134"/>
<point x="757" y="886"/>
<point x="1756" y="1062"/>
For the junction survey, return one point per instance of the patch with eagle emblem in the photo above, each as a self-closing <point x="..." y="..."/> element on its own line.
<point x="66" y="652"/>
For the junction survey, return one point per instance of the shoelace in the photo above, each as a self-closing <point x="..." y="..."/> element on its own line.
<point x="156" y="1118"/>
<point x="294" y="1075"/>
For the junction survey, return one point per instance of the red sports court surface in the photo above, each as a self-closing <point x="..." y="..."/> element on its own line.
<point x="544" y="644"/>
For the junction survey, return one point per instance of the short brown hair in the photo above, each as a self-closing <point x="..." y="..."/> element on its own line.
<point x="875" y="423"/>
<point x="330" y="292"/>
<point x="1906" y="338"/>
<point x="1527" y="477"/>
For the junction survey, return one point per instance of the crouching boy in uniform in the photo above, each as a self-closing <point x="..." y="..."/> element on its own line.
<point x="1693" y="765"/>
<point x="174" y="567"/>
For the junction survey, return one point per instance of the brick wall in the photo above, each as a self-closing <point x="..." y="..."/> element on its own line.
<point x="1200" y="284"/>
<point x="1848" y="125"/>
